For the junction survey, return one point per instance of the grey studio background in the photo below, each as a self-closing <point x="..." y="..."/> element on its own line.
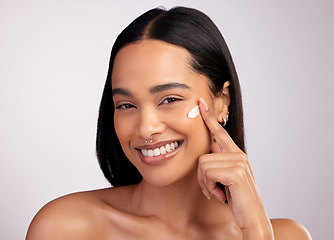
<point x="53" y="63"/>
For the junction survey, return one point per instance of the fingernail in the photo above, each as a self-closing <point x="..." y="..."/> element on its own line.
<point x="204" y="104"/>
<point x="206" y="193"/>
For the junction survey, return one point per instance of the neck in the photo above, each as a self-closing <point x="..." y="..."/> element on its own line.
<point x="180" y="203"/>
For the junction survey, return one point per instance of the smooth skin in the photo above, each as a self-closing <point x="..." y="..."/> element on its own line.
<point x="177" y="198"/>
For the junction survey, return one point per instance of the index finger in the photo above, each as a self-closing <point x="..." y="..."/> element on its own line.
<point x="222" y="138"/>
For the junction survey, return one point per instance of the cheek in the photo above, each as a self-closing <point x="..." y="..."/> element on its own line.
<point x="122" y="128"/>
<point x="200" y="141"/>
<point x="194" y="130"/>
<point x="124" y="131"/>
<point x="118" y="126"/>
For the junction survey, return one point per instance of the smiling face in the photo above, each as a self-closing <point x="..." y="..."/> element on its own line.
<point x="154" y="88"/>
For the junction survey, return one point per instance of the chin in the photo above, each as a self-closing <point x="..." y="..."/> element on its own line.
<point x="170" y="175"/>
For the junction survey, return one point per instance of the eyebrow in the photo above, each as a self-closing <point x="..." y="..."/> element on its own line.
<point x="154" y="89"/>
<point x="121" y="91"/>
<point x="172" y="85"/>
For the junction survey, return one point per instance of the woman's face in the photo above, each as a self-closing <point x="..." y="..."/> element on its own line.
<point x="154" y="88"/>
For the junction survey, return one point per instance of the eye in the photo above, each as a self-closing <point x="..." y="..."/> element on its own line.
<point x="125" y="106"/>
<point x="169" y="100"/>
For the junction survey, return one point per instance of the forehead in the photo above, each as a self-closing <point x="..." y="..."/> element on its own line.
<point x="151" y="59"/>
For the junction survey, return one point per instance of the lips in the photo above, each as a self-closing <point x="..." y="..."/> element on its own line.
<point x="159" y="153"/>
<point x="161" y="150"/>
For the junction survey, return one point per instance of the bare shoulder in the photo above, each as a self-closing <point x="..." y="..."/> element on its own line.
<point x="74" y="216"/>
<point x="285" y="229"/>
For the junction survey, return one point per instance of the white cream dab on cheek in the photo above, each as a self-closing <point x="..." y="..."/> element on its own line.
<point x="193" y="112"/>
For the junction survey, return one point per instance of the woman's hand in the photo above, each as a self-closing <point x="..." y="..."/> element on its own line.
<point x="228" y="165"/>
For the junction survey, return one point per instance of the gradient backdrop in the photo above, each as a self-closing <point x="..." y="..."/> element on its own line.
<point x="53" y="63"/>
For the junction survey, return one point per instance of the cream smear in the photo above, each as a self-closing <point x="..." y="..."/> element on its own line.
<point x="193" y="112"/>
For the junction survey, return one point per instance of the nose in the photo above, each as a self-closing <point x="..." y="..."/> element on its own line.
<point x="149" y="123"/>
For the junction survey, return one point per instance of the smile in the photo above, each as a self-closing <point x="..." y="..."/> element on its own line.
<point x="159" y="154"/>
<point x="168" y="148"/>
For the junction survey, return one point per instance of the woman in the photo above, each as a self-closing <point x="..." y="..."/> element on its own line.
<point x="170" y="140"/>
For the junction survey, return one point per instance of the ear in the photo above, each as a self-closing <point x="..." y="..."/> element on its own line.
<point x="222" y="102"/>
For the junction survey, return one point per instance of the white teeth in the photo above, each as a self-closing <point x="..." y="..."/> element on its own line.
<point x="159" y="151"/>
<point x="162" y="150"/>
<point x="156" y="152"/>
<point x="150" y="153"/>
